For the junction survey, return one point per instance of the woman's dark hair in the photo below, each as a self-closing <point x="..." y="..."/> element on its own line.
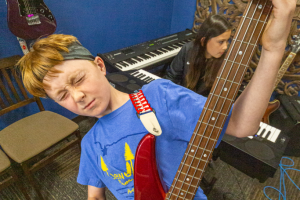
<point x="213" y="26"/>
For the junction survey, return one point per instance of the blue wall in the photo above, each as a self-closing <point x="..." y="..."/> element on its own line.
<point x="183" y="15"/>
<point x="102" y="26"/>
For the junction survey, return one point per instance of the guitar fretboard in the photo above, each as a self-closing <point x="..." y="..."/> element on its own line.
<point x="219" y="101"/>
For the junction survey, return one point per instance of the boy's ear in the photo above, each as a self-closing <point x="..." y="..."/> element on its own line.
<point x="100" y="63"/>
<point x="202" y="41"/>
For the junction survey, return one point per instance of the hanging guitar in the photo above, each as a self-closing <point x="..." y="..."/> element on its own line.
<point x="274" y="105"/>
<point x="147" y="185"/>
<point x="29" y="19"/>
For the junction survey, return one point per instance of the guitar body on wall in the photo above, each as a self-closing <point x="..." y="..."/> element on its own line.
<point x="30" y="19"/>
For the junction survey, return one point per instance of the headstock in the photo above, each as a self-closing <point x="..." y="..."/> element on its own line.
<point x="296" y="43"/>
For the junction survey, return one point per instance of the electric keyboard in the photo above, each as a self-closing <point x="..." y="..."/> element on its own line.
<point x="144" y="75"/>
<point x="257" y="156"/>
<point x="267" y="132"/>
<point x="151" y="53"/>
<point x="130" y="81"/>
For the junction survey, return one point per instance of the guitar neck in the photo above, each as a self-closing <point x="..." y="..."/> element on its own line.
<point x="284" y="67"/>
<point x="219" y="101"/>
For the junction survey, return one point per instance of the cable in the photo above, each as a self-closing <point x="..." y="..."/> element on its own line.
<point x="282" y="172"/>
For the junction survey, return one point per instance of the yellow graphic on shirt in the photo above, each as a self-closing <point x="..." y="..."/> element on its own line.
<point x="125" y="182"/>
<point x="103" y="166"/>
<point x="128" y="168"/>
<point x="130" y="191"/>
<point x="129" y="157"/>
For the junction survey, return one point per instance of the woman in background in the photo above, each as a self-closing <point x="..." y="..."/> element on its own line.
<point x="198" y="62"/>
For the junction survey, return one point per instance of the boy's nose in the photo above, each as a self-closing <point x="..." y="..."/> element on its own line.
<point x="78" y="96"/>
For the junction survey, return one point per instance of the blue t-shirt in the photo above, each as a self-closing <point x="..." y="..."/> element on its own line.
<point x="108" y="149"/>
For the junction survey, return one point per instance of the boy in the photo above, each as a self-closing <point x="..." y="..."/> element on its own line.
<point x="60" y="68"/>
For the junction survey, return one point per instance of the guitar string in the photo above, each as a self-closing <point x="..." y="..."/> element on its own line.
<point x="242" y="58"/>
<point x="245" y="68"/>
<point x="230" y="86"/>
<point x="249" y="58"/>
<point x="198" y="128"/>
<point x="195" y="135"/>
<point x="28" y="7"/>
<point x="211" y="96"/>
<point x="32" y="6"/>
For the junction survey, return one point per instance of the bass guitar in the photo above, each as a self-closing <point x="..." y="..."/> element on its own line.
<point x="274" y="105"/>
<point x="147" y="184"/>
<point x="30" y="19"/>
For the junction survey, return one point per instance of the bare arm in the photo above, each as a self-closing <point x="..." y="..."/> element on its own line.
<point x="252" y="103"/>
<point x="95" y="193"/>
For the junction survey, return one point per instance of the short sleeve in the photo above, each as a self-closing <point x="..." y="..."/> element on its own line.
<point x="88" y="166"/>
<point x="176" y="69"/>
<point x="184" y="107"/>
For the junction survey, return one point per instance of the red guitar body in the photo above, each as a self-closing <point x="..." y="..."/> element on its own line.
<point x="272" y="106"/>
<point x="147" y="185"/>
<point x="23" y="24"/>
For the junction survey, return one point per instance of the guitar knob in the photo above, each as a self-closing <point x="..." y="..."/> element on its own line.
<point x="50" y="16"/>
<point x="42" y="10"/>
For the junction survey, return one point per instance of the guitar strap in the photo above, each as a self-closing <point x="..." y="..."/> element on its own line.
<point x="145" y="113"/>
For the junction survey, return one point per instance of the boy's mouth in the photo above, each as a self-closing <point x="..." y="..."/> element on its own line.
<point x="89" y="104"/>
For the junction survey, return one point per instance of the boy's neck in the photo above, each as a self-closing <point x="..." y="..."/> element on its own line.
<point x="117" y="99"/>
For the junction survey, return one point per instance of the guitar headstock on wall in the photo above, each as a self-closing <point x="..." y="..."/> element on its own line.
<point x="296" y="44"/>
<point x="30" y="19"/>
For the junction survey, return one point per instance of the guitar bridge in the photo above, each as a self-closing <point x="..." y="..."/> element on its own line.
<point x="33" y="19"/>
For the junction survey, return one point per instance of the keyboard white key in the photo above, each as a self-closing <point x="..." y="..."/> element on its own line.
<point x="144" y="75"/>
<point x="268" y="132"/>
<point x="151" y="60"/>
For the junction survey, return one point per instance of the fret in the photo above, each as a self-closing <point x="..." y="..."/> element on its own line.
<point x="232" y="70"/>
<point x="219" y="113"/>
<point x="188" y="184"/>
<point x="204" y="142"/>
<point x="212" y="126"/>
<point x="248" y="37"/>
<point x="195" y="168"/>
<point x="235" y="63"/>
<point x="243" y="42"/>
<point x="216" y="95"/>
<point x="181" y="190"/>
<point x="221" y="105"/>
<point x="194" y="133"/>
<point x="254" y="19"/>
<point x="188" y="175"/>
<point x="180" y="197"/>
<point x="194" y="157"/>
<point x="201" y="148"/>
<point x="239" y="53"/>
<point x="228" y="80"/>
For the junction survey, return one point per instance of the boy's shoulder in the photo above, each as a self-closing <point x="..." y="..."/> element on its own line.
<point x="89" y="136"/>
<point x="157" y="85"/>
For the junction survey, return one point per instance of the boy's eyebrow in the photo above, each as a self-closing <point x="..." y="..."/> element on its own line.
<point x="70" y="80"/>
<point x="73" y="76"/>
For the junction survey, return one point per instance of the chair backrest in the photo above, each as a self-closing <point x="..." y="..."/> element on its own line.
<point x="12" y="92"/>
